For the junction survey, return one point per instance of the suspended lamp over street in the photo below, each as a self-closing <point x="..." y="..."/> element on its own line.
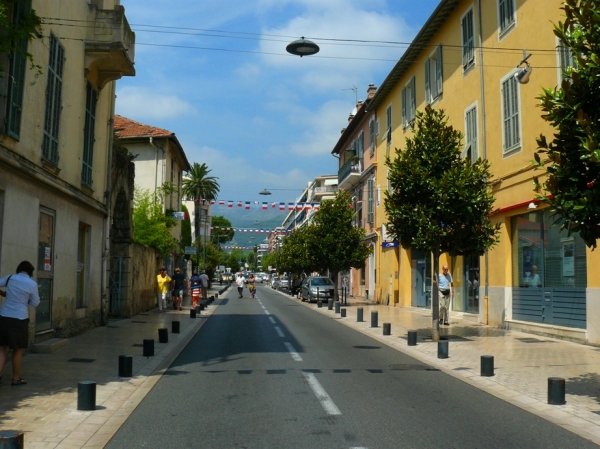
<point x="303" y="47"/>
<point x="264" y="192"/>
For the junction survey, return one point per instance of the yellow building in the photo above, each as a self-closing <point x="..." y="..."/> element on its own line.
<point x="471" y="59"/>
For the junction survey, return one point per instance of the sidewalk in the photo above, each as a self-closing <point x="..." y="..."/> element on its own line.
<point x="523" y="362"/>
<point x="46" y="408"/>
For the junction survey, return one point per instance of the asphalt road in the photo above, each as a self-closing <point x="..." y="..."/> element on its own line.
<point x="270" y="373"/>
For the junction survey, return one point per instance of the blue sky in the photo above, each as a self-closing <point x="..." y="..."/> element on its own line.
<point x="216" y="73"/>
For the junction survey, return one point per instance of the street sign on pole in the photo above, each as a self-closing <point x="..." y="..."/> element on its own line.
<point x="190" y="250"/>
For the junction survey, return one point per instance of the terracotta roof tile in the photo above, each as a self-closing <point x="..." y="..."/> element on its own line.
<point x="125" y="127"/>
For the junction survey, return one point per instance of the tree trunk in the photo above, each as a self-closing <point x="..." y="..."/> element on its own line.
<point x="435" y="295"/>
<point x="334" y="278"/>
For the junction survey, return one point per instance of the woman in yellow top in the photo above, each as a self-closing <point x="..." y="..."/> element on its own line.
<point x="162" y="285"/>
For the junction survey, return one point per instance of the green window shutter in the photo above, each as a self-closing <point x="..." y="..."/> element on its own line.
<point x="510" y="106"/>
<point x="53" y="101"/>
<point x="427" y="88"/>
<point x="88" y="135"/>
<point x="16" y="77"/>
<point x="413" y="100"/>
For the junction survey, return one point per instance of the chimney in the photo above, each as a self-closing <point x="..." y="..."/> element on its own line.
<point x="350" y="117"/>
<point x="371" y="91"/>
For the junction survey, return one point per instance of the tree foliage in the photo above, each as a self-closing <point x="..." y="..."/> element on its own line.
<point x="186" y="228"/>
<point x="439" y="202"/>
<point x="572" y="158"/>
<point x="198" y="185"/>
<point x="328" y="243"/>
<point x="18" y="23"/>
<point x="151" y="227"/>
<point x="218" y="234"/>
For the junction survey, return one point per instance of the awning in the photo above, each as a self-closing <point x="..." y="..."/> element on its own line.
<point x="331" y="182"/>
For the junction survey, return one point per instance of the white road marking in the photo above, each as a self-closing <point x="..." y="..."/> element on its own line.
<point x="267" y="312"/>
<point x="279" y="332"/>
<point x="295" y="356"/>
<point x="272" y="320"/>
<point x="264" y="308"/>
<point x="321" y="394"/>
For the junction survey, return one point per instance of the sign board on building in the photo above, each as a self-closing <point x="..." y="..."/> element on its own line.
<point x="389" y="244"/>
<point x="190" y="250"/>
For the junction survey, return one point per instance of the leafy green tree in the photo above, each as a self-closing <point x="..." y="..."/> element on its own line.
<point x="19" y="24"/>
<point x="198" y="185"/>
<point x="218" y="233"/>
<point x="439" y="202"/>
<point x="151" y="227"/>
<point x="269" y="260"/>
<point x="572" y="158"/>
<point x="186" y="228"/>
<point x="251" y="259"/>
<point x="330" y="243"/>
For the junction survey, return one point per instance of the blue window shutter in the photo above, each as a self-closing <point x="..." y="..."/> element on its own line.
<point x="88" y="135"/>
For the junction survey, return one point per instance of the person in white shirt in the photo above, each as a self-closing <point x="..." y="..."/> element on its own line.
<point x="446" y="287"/>
<point x="240" y="282"/>
<point x="21" y="292"/>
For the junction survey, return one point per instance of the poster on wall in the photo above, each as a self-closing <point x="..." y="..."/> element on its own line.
<point x="568" y="259"/>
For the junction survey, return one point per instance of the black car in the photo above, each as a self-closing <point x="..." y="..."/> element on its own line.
<point x="317" y="287"/>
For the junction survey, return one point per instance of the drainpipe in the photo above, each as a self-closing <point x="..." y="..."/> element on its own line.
<point x="483" y="152"/>
<point x="108" y="198"/>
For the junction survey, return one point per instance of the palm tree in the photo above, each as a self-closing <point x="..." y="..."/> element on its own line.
<point x="198" y="185"/>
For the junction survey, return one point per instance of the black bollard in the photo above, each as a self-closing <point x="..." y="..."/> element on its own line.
<point x="556" y="391"/>
<point x="174" y="327"/>
<point x="330" y="304"/>
<point x="216" y="296"/>
<point x="359" y="314"/>
<point x="148" y="348"/>
<point x="343" y="313"/>
<point x="319" y="303"/>
<point x="125" y="366"/>
<point x="337" y="307"/>
<point x="412" y="338"/>
<point x="163" y="335"/>
<point x="201" y="306"/>
<point x="443" y="349"/>
<point x="374" y="318"/>
<point x="387" y="328"/>
<point x="192" y="313"/>
<point x="12" y="439"/>
<point x="86" y="395"/>
<point x="487" y="365"/>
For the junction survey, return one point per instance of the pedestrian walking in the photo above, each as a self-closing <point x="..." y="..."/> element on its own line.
<point x="163" y="286"/>
<point x="20" y="291"/>
<point x="240" y="284"/>
<point x="446" y="286"/>
<point x="195" y="287"/>
<point x="252" y="285"/>
<point x="178" y="289"/>
<point x="205" y="282"/>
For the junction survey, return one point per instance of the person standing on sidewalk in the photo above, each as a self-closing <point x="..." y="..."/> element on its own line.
<point x="21" y="292"/>
<point x="240" y="282"/>
<point x="163" y="286"/>
<point x="178" y="289"/>
<point x="446" y="286"/>
<point x="205" y="281"/>
<point x="195" y="287"/>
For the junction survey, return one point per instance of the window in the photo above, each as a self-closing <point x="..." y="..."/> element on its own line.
<point x="471" y="150"/>
<point x="53" y="100"/>
<point x="566" y="60"/>
<point x="359" y="208"/>
<point x="88" y="135"/>
<point x="360" y="146"/>
<point x="370" y="199"/>
<point x="372" y="135"/>
<point x="433" y="76"/>
<point x="388" y="121"/>
<point x="409" y="104"/>
<point x="16" y="78"/>
<point x="510" y="114"/>
<point x="468" y="40"/>
<point x="506" y="15"/>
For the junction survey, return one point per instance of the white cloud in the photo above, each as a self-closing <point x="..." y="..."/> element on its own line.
<point x="145" y="103"/>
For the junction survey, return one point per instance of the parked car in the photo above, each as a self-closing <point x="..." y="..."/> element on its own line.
<point x="284" y="283"/>
<point x="317" y="287"/>
<point x="275" y="282"/>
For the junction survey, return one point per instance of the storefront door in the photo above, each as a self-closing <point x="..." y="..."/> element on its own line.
<point x="45" y="270"/>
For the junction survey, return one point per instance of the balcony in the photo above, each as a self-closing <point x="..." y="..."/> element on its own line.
<point x="110" y="47"/>
<point x="349" y="174"/>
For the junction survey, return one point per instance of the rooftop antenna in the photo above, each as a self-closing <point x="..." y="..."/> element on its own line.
<point x="355" y="89"/>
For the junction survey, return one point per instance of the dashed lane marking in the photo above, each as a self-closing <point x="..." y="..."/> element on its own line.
<point x="321" y="394"/>
<point x="279" y="332"/>
<point x="295" y="356"/>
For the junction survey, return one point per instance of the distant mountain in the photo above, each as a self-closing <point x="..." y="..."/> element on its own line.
<point x="255" y="218"/>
